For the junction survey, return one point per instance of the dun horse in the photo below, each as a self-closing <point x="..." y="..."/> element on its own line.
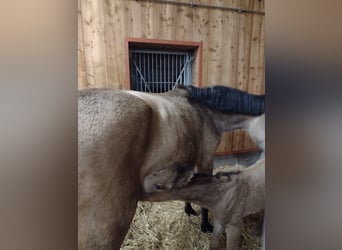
<point x="229" y="195"/>
<point x="160" y="180"/>
<point x="125" y="136"/>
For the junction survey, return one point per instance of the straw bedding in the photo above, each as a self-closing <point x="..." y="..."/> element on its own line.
<point x="164" y="225"/>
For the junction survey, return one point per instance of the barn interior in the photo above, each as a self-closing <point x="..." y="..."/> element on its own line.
<point x="212" y="42"/>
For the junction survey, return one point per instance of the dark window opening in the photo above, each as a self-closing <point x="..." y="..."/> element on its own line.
<point x="158" y="70"/>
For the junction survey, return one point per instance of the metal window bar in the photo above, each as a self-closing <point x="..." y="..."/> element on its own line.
<point x="159" y="71"/>
<point x="142" y="82"/>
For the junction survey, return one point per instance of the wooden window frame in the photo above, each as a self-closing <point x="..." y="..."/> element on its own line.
<point x="181" y="44"/>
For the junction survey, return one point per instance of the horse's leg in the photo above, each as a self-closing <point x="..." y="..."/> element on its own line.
<point x="216" y="236"/>
<point x="189" y="210"/>
<point x="104" y="227"/>
<point x="205" y="225"/>
<point x="233" y="234"/>
<point x="122" y="223"/>
<point x="263" y="235"/>
<point x="260" y="226"/>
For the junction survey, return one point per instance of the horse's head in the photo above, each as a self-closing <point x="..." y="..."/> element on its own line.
<point x="168" y="178"/>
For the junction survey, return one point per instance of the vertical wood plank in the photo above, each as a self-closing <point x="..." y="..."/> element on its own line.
<point x="201" y="34"/>
<point x="95" y="51"/>
<point x="82" y="72"/>
<point x="215" y="46"/>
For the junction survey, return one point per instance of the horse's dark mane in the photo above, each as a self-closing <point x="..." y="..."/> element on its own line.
<point x="227" y="100"/>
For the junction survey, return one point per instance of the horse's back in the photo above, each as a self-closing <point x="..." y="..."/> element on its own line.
<point x="113" y="131"/>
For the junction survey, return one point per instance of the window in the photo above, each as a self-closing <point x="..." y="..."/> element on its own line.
<point x="157" y="70"/>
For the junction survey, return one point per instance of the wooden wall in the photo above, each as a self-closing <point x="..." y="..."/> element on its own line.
<point x="233" y="44"/>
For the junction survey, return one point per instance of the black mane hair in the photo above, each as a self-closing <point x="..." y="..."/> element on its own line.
<point x="227" y="100"/>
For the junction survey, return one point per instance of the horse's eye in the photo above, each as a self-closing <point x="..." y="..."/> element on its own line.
<point x="158" y="186"/>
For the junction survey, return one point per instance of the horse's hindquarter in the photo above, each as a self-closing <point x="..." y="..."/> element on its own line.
<point x="113" y="132"/>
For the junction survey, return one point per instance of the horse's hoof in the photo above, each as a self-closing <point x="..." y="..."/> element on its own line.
<point x="190" y="211"/>
<point x="207" y="228"/>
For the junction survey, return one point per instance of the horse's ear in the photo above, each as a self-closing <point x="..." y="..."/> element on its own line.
<point x="180" y="90"/>
<point x="181" y="87"/>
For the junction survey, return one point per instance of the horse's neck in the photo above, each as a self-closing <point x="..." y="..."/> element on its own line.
<point x="255" y="125"/>
<point x="205" y="194"/>
<point x="227" y="122"/>
<point x="256" y="129"/>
